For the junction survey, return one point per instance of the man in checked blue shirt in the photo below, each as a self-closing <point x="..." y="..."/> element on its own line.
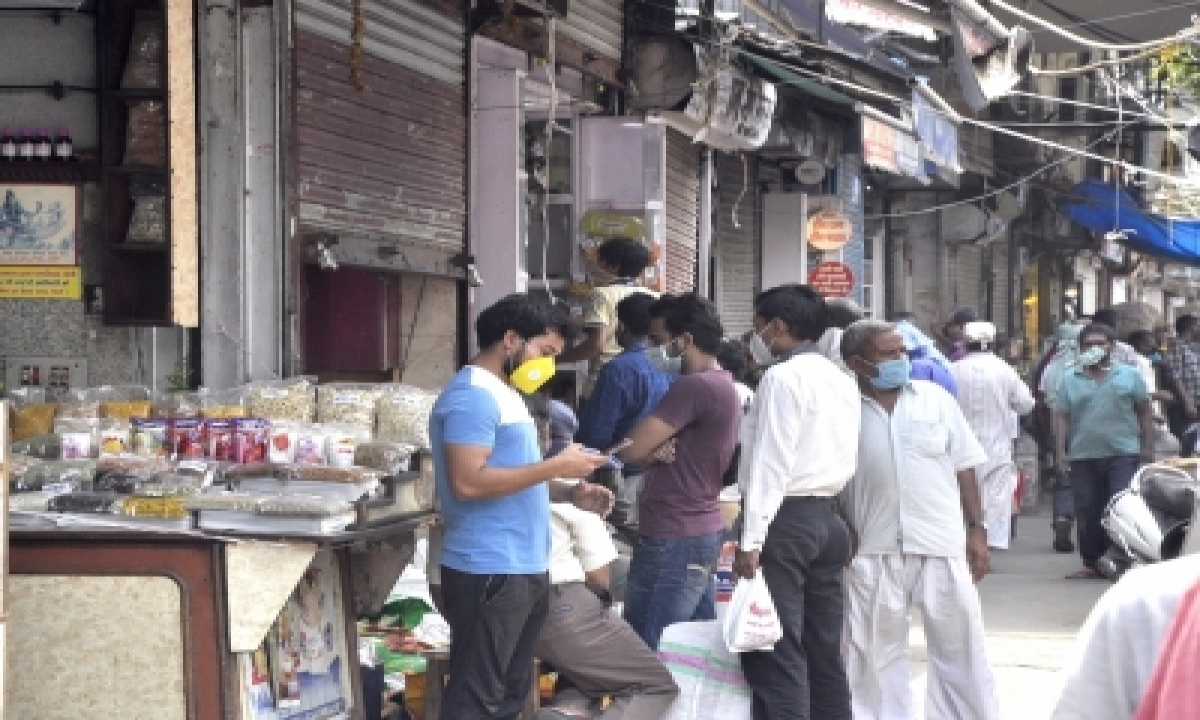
<point x="628" y="387"/>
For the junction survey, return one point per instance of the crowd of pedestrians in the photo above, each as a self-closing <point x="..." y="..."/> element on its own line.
<point x="875" y="470"/>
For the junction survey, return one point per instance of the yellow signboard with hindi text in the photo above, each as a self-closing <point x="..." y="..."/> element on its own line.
<point x="40" y="282"/>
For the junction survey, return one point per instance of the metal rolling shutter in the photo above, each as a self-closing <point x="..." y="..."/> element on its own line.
<point x="683" y="187"/>
<point x="1001" y="286"/>
<point x="736" y="246"/>
<point x="967" y="278"/>
<point x="388" y="164"/>
<point x="595" y="24"/>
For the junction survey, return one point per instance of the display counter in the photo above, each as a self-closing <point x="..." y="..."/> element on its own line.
<point x="127" y="624"/>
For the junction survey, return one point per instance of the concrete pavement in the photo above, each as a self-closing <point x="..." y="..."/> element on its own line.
<point x="1032" y="614"/>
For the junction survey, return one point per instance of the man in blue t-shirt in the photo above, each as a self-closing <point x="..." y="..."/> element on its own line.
<point x="494" y="491"/>
<point x="1103" y="429"/>
<point x="628" y="387"/>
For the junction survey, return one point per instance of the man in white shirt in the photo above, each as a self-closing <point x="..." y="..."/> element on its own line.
<point x="989" y="393"/>
<point x="583" y="639"/>
<point x="915" y="506"/>
<point x="798" y="453"/>
<point x="1116" y="650"/>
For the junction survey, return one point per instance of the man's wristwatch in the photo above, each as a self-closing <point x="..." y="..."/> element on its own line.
<point x="977" y="524"/>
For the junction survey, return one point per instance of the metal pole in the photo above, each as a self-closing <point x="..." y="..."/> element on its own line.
<point x="704" y="241"/>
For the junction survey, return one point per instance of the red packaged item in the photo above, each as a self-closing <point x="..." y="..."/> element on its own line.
<point x="250" y="437"/>
<point x="220" y="439"/>
<point x="185" y="438"/>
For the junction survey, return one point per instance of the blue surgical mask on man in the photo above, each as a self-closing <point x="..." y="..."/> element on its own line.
<point x="893" y="374"/>
<point x="1092" y="356"/>
<point x="660" y="359"/>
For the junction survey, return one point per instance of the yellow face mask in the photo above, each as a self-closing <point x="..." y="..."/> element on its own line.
<point x="532" y="374"/>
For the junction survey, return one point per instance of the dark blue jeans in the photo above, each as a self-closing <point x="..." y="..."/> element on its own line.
<point x="669" y="581"/>
<point x="1095" y="482"/>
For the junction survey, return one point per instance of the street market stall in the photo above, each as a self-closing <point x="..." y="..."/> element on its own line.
<point x="208" y="555"/>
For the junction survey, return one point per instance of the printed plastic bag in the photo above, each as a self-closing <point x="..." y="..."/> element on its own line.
<point x="752" y="624"/>
<point x="404" y="415"/>
<point x="710" y="679"/>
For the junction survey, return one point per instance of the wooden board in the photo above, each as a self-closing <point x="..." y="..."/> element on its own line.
<point x="181" y="109"/>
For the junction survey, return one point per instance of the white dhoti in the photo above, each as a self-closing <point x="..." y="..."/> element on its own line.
<point x="880" y="592"/>
<point x="997" y="485"/>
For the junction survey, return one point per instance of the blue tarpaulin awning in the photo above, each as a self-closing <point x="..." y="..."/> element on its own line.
<point x="1101" y="208"/>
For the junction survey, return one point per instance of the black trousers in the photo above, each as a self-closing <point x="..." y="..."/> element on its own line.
<point x="495" y="621"/>
<point x="804" y="678"/>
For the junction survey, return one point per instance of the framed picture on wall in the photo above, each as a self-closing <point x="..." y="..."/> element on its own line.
<point x="38" y="224"/>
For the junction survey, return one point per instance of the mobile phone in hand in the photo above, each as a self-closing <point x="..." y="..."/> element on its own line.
<point x="618" y="447"/>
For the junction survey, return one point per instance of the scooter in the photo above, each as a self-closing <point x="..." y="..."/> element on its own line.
<point x="1149" y="521"/>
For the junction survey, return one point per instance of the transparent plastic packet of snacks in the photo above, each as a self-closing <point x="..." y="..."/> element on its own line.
<point x="30" y="414"/>
<point x="224" y="501"/>
<point x="387" y="457"/>
<point x="312" y="506"/>
<point x="47" y="446"/>
<point x="348" y="404"/>
<point x="57" y="476"/>
<point x="250" y="436"/>
<point x="231" y="403"/>
<point x="342" y="442"/>
<point x="186" y="439"/>
<point x="84" y="404"/>
<point x="149" y="437"/>
<point x="100" y="503"/>
<point x="291" y="399"/>
<point x="176" y="405"/>
<point x="115" y="438"/>
<point x="126" y="402"/>
<point x="403" y="415"/>
<point x="169" y="507"/>
<point x="79" y="437"/>
<point x="148" y="464"/>
<point x="311" y="444"/>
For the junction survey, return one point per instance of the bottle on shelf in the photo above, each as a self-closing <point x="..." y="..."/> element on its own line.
<point x="64" y="148"/>
<point x="25" y="145"/>
<point x="44" y="149"/>
<point x="8" y="145"/>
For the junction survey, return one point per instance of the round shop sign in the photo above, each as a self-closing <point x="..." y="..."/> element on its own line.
<point x="829" y="230"/>
<point x="832" y="279"/>
<point x="810" y="172"/>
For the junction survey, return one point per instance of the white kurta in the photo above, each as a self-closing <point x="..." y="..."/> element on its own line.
<point x="881" y="590"/>
<point x="989" y="392"/>
<point x="1117" y="647"/>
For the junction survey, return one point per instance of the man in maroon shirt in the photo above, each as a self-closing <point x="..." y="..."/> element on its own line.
<point x="680" y="524"/>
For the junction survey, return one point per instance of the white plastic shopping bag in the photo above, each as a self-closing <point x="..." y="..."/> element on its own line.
<point x="752" y="624"/>
<point x="710" y="679"/>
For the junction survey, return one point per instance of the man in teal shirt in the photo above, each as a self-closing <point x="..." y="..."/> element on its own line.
<point x="1103" y="429"/>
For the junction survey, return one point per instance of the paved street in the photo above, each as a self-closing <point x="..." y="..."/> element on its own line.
<point x="1032" y="614"/>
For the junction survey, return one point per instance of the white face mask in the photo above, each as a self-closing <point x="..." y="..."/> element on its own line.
<point x="758" y="348"/>
<point x="660" y="359"/>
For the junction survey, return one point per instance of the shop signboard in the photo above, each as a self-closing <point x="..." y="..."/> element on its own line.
<point x="40" y="282"/>
<point x="828" y="230"/>
<point x="306" y="652"/>
<point x="38" y="224"/>
<point x="879" y="144"/>
<point x="832" y="279"/>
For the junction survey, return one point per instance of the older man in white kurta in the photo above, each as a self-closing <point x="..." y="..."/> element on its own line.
<point x="911" y="502"/>
<point x="989" y="392"/>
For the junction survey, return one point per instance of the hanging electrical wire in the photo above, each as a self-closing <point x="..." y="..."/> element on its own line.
<point x="992" y="193"/>
<point x="1182" y="36"/>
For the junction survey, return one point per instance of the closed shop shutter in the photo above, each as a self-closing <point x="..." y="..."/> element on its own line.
<point x="736" y="245"/>
<point x="967" y="278"/>
<point x="683" y="187"/>
<point x="1001" y="286"/>
<point x="596" y="24"/>
<point x="387" y="164"/>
